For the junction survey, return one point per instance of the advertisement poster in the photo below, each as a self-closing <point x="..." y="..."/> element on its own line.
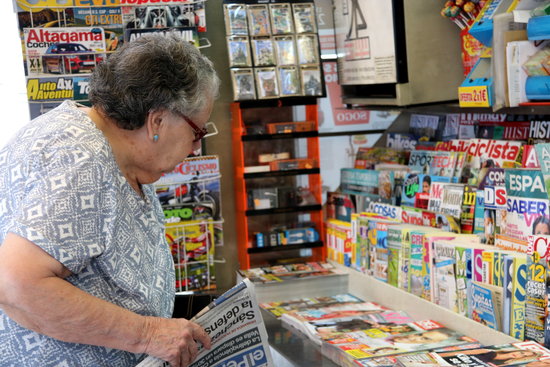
<point x="365" y="42"/>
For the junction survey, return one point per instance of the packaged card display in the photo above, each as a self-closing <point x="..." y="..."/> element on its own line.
<point x="235" y="19"/>
<point x="289" y="81"/>
<point x="304" y="17"/>
<point x="266" y="81"/>
<point x="258" y="20"/>
<point x="308" y="49"/>
<point x="281" y="18"/>
<point x="239" y="51"/>
<point x="262" y="48"/>
<point x="286" y="50"/>
<point x="243" y="84"/>
<point x="311" y="81"/>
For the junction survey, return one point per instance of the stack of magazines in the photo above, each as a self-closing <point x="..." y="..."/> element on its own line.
<point x="352" y="332"/>
<point x="284" y="282"/>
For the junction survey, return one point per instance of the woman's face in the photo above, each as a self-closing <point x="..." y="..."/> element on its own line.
<point x="541" y="228"/>
<point x="175" y="143"/>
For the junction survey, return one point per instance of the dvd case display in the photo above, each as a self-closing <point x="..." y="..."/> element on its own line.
<point x="311" y="80"/>
<point x="239" y="51"/>
<point x="264" y="54"/>
<point x="304" y="17"/>
<point x="308" y="53"/>
<point x="286" y="50"/>
<point x="258" y="20"/>
<point x="235" y="19"/>
<point x="289" y="81"/>
<point x="278" y="41"/>
<point x="281" y="18"/>
<point x="243" y="84"/>
<point x="266" y="80"/>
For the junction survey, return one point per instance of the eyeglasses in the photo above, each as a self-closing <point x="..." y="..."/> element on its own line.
<point x="199" y="133"/>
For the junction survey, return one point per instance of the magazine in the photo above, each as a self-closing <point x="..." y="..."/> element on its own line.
<point x="234" y="323"/>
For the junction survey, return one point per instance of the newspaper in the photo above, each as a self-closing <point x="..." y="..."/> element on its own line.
<point x="236" y="328"/>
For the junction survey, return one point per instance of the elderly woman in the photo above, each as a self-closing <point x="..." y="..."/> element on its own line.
<point x="86" y="277"/>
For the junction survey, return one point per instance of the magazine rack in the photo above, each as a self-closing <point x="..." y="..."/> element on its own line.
<point x="190" y="197"/>
<point x="54" y="75"/>
<point x="277" y="182"/>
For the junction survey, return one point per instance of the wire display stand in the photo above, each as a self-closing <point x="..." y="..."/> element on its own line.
<point x="190" y="197"/>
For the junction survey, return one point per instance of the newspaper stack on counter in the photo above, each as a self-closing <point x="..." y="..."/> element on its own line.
<point x="236" y="327"/>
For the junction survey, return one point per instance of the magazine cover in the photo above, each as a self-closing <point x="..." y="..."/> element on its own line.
<point x="507" y="285"/>
<point x="438" y="163"/>
<point x="188" y="34"/>
<point x="451" y="201"/>
<point x="485" y="303"/>
<point x="435" y="196"/>
<point x="286" y="50"/>
<point x="377" y="184"/>
<point x="263" y="51"/>
<point x="444" y="286"/>
<point x="519" y="281"/>
<point x="311" y="80"/>
<point x="243" y="84"/>
<point x="463" y="274"/>
<point x="304" y="17"/>
<point x="308" y="49"/>
<point x="235" y="325"/>
<point x="360" y="346"/>
<point x="527" y="204"/>
<point x="467" y="214"/>
<point x="536" y="296"/>
<point x="414" y="184"/>
<point x="63" y="50"/>
<point x="525" y="353"/>
<point x="266" y="82"/>
<point x="258" y="20"/>
<point x="109" y="18"/>
<point x="281" y="18"/>
<point x="289" y="80"/>
<point x="369" y="157"/>
<point x="239" y="51"/>
<point x="543" y="154"/>
<point x="489" y="153"/>
<point x="277" y="309"/>
<point x="235" y="19"/>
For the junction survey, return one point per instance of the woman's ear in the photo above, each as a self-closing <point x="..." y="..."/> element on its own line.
<point x="154" y="124"/>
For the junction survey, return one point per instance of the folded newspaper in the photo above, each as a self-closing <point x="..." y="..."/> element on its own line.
<point x="236" y="328"/>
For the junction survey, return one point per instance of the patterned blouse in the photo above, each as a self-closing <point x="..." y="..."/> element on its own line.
<point x="61" y="188"/>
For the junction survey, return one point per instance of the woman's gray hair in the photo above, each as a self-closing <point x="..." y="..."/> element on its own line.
<point x="154" y="72"/>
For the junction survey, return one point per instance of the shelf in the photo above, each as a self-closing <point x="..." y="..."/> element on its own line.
<point x="302" y="134"/>
<point x="278" y="102"/>
<point x="290" y="172"/>
<point x="369" y="288"/>
<point x="294" y="209"/>
<point x="257" y="250"/>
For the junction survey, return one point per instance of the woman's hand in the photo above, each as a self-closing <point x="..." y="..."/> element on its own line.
<point x="174" y="340"/>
